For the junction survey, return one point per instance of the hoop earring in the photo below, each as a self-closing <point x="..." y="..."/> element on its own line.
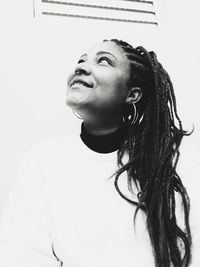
<point x="135" y="114"/>
<point x="133" y="119"/>
<point x="74" y="112"/>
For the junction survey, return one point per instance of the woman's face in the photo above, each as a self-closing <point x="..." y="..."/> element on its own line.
<point x="99" y="85"/>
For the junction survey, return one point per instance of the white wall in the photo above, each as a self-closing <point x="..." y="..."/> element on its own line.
<point x="37" y="53"/>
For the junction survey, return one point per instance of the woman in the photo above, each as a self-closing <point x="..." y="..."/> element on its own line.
<point x="72" y="215"/>
<point x="128" y="91"/>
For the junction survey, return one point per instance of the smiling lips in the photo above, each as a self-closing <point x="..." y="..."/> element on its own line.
<point x="78" y="80"/>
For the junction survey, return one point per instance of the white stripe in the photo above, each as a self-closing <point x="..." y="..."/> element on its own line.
<point x="115" y="3"/>
<point x="63" y="9"/>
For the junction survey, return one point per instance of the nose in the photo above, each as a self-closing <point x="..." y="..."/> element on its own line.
<point x="83" y="68"/>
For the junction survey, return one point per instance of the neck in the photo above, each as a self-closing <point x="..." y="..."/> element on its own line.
<point x="102" y="128"/>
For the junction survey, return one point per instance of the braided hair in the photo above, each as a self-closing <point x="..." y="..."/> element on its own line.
<point x="152" y="145"/>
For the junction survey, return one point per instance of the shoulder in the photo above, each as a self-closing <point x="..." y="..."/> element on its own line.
<point x="54" y="148"/>
<point x="48" y="164"/>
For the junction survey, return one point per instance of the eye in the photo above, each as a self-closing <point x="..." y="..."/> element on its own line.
<point x="103" y="60"/>
<point x="80" y="61"/>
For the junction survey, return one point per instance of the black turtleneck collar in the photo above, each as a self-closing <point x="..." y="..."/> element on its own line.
<point x="103" y="143"/>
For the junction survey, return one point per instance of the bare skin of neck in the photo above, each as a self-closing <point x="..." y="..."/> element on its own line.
<point x="101" y="128"/>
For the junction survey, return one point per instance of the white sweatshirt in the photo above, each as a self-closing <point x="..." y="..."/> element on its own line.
<point x="64" y="211"/>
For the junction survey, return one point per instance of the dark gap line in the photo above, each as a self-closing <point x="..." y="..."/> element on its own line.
<point x="99" y="18"/>
<point x="140" y="1"/>
<point x="97" y="6"/>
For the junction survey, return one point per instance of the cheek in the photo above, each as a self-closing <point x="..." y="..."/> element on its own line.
<point x="112" y="93"/>
<point x="111" y="82"/>
<point x="118" y="89"/>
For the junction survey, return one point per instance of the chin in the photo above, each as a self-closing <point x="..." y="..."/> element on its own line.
<point x="74" y="103"/>
<point x="78" y="99"/>
<point x="71" y="103"/>
<point x="72" y="99"/>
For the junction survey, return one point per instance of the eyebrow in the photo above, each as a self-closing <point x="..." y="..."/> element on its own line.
<point x="101" y="53"/>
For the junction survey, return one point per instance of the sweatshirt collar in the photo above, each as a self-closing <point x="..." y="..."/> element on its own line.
<point x="103" y="143"/>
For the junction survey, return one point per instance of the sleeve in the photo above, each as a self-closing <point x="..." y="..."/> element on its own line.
<point x="24" y="236"/>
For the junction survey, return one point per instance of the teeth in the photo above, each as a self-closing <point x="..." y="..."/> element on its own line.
<point x="80" y="82"/>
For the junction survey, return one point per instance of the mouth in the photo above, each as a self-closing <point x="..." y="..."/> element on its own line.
<point x="78" y="81"/>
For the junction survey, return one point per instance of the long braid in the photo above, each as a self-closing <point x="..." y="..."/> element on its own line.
<point x="153" y="149"/>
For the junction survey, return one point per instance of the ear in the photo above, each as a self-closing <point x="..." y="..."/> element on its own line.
<point x="134" y="95"/>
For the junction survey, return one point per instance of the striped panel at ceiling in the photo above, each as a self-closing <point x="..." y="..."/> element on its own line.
<point x="130" y="11"/>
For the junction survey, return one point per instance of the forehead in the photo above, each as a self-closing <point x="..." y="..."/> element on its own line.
<point x="109" y="47"/>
